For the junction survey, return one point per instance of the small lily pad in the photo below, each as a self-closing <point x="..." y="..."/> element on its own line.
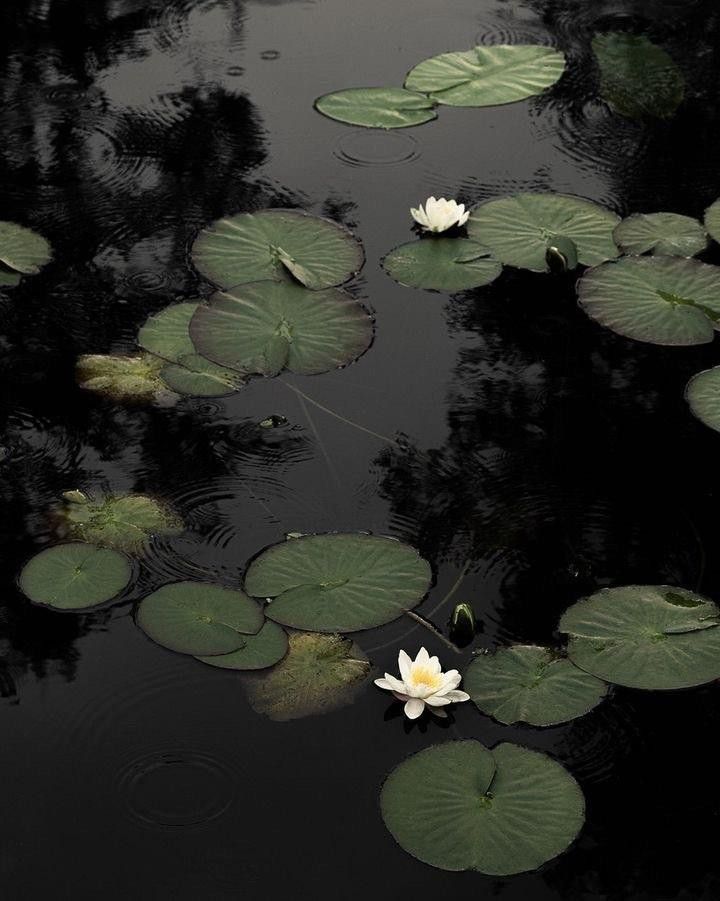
<point x="75" y="576"/>
<point x="197" y="376"/>
<point x="377" y="107"/>
<point x="124" y="523"/>
<point x="338" y="582"/>
<point x="22" y="250"/>
<point x="9" y="279"/>
<point x="199" y="618"/>
<point x="661" y="233"/>
<point x="528" y="684"/>
<point x="124" y="378"/>
<point x="259" y="651"/>
<point x="442" y="264"/>
<point x="459" y="806"/>
<point x="712" y="220"/>
<point x="703" y="395"/>
<point x="645" y="636"/>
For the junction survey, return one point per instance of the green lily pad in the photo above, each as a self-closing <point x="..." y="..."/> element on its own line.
<point x="703" y="395"/>
<point x="319" y="674"/>
<point x="23" y="250"/>
<point x="442" y="264"/>
<point x="259" y="651"/>
<point x="645" y="636"/>
<point x="75" y="576"/>
<point x="528" y="684"/>
<point x="197" y="376"/>
<point x="199" y="618"/>
<point x="712" y="220"/>
<point x="459" y="806"/>
<point x="661" y="233"/>
<point x="637" y="78"/>
<point x="166" y="333"/>
<point x="377" y="107"/>
<point x="124" y="378"/>
<point x="338" y="582"/>
<point x="270" y="326"/>
<point x="9" y="279"/>
<point x="487" y="76"/>
<point x="518" y="229"/>
<point x="274" y="244"/>
<point x="662" y="300"/>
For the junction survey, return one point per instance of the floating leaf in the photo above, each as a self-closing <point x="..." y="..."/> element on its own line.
<point x="442" y="264"/>
<point x="199" y="377"/>
<point x="703" y="395"/>
<point x="124" y="523"/>
<point x="338" y="582"/>
<point x="124" y="378"/>
<point x="22" y="249"/>
<point x="663" y="300"/>
<point x="518" y="228"/>
<point x="487" y="76"/>
<point x="270" y="326"/>
<point x="528" y="684"/>
<point x="645" y="636"/>
<point x="9" y="279"/>
<point x="377" y="107"/>
<point x="712" y="220"/>
<point x="75" y="576"/>
<point x="199" y="618"/>
<point x="256" y="651"/>
<point x="637" y="78"/>
<point x="661" y="233"/>
<point x="458" y="806"/>
<point x="319" y="674"/>
<point x="251" y="247"/>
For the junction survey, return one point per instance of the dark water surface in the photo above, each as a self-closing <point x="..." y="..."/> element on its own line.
<point x="547" y="456"/>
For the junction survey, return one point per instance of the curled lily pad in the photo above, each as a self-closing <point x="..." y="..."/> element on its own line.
<point x="712" y="220"/>
<point x="274" y="244"/>
<point x="124" y="523"/>
<point x="442" y="264"/>
<point x="75" y="576"/>
<point x="645" y="636"/>
<point x="519" y="228"/>
<point x="528" y="684"/>
<point x="270" y="326"/>
<point x="662" y="300"/>
<point x="661" y="233"/>
<point x="124" y="378"/>
<point x="459" y="806"/>
<point x="319" y="674"/>
<point x="703" y="395"/>
<point x="258" y="651"/>
<point x="487" y="76"/>
<point x="377" y="107"/>
<point x="338" y="582"/>
<point x="22" y="250"/>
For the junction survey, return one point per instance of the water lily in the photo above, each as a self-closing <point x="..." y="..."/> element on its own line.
<point x="422" y="682"/>
<point x="440" y="215"/>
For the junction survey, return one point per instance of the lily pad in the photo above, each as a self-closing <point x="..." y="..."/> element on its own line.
<point x="276" y="244"/>
<point x="319" y="674"/>
<point x="703" y="395"/>
<point x="166" y="333"/>
<point x="520" y="228"/>
<point x="124" y="378"/>
<point x="661" y="233"/>
<point x="662" y="300"/>
<point x="270" y="326"/>
<point x="197" y="376"/>
<point x="23" y="250"/>
<point x="377" y="107"/>
<point x="487" y="76"/>
<point x="645" y="636"/>
<point x="199" y="618"/>
<point x="75" y="576"/>
<point x="712" y="220"/>
<point x="442" y="264"/>
<point x="637" y="78"/>
<point x="459" y="806"/>
<point x="338" y="582"/>
<point x="528" y="684"/>
<point x="256" y="652"/>
<point x="9" y="279"/>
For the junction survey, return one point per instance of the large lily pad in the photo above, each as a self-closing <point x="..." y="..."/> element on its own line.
<point x="459" y="806"/>
<point x="520" y="228"/>
<point x="124" y="378"/>
<point x="22" y="250"/>
<point x="377" y="107"/>
<point x="75" y="576"/>
<point x="662" y="300"/>
<point x="442" y="264"/>
<point x="274" y="244"/>
<point x="645" y="636"/>
<point x="661" y="233"/>
<point x="270" y="326"/>
<point x="338" y="582"/>
<point x="703" y="395"/>
<point x="258" y="651"/>
<point x="528" y="684"/>
<point x="487" y="76"/>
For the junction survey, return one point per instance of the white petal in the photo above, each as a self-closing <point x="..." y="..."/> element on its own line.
<point x="437" y="701"/>
<point x="384" y="684"/>
<point x="439" y="713"/>
<point x="423" y="658"/>
<point x="434" y="666"/>
<point x="414" y="708"/>
<point x="464" y="218"/>
<point x="450" y="680"/>
<point x="396" y="684"/>
<point x="404" y="662"/>
<point x="419" y="216"/>
<point x="456" y="697"/>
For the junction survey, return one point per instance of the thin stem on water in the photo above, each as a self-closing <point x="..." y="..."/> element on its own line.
<point x="429" y="626"/>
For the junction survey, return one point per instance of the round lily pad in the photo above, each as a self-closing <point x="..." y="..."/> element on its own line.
<point x="703" y="395"/>
<point x="199" y="618"/>
<point x="442" y="264"/>
<point x="124" y="378"/>
<point x="645" y="636"/>
<point x="662" y="300"/>
<point x="124" y="523"/>
<point x="487" y="76"/>
<point x="166" y="333"/>
<point x="520" y="228"/>
<point x="377" y="107"/>
<point x="270" y="326"/>
<point x="275" y="244"/>
<point x="712" y="220"/>
<point x="75" y="576"/>
<point x="23" y="250"/>
<point x="528" y="684"/>
<point x="459" y="806"/>
<point x="256" y="652"/>
<point x="661" y="233"/>
<point x="338" y="582"/>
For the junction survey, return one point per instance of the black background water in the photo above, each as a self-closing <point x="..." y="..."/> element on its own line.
<point x="546" y="456"/>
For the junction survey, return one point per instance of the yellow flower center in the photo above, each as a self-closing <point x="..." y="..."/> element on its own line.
<point x="421" y="675"/>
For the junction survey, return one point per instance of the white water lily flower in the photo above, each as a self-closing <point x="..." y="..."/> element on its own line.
<point x="440" y="215"/>
<point x="422" y="682"/>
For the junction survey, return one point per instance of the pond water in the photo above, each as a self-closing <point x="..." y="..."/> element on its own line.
<point x="530" y="455"/>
